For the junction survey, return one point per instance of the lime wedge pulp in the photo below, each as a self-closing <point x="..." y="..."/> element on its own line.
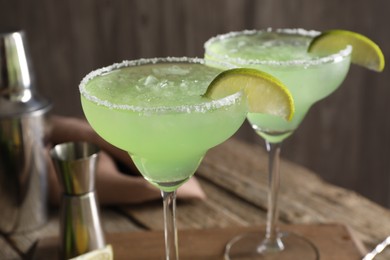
<point x="265" y="93"/>
<point x="365" y="52"/>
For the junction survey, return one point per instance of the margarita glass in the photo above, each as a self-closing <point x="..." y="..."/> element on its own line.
<point x="310" y="78"/>
<point x="154" y="110"/>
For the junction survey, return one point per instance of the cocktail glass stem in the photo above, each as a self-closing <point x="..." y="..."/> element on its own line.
<point x="271" y="244"/>
<point x="272" y="241"/>
<point x="170" y="231"/>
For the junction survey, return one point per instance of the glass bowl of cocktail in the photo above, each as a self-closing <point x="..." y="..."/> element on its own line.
<point x="157" y="110"/>
<point x="312" y="65"/>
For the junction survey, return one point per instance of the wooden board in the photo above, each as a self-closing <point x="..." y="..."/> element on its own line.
<point x="334" y="241"/>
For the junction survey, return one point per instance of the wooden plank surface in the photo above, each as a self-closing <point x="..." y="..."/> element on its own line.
<point x="304" y="197"/>
<point x="333" y="241"/>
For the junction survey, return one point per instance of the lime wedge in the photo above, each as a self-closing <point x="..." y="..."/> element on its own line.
<point x="265" y="93"/>
<point x="99" y="254"/>
<point x="365" y="52"/>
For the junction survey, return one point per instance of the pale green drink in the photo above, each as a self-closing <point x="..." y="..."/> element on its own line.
<point x="283" y="54"/>
<point x="310" y="78"/>
<point x="154" y="109"/>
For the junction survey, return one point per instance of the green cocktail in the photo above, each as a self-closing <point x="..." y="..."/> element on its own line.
<point x="283" y="54"/>
<point x="154" y="109"/>
<point x="310" y="78"/>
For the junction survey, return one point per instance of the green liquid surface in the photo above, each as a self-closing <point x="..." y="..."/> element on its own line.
<point x="157" y="113"/>
<point x="284" y="55"/>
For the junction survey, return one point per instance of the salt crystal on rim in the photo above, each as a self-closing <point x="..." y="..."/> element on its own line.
<point x="298" y="31"/>
<point x="199" y="108"/>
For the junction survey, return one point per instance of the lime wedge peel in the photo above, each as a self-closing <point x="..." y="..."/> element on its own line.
<point x="265" y="93"/>
<point x="365" y="52"/>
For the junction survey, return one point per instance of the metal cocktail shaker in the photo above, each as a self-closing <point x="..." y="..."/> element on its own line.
<point x="80" y="227"/>
<point x="23" y="166"/>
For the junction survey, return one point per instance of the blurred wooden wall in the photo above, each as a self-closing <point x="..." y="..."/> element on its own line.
<point x="345" y="138"/>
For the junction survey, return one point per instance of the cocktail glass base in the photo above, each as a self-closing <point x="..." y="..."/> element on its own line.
<point x="250" y="246"/>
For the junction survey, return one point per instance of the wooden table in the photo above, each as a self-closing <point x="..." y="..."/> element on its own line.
<point x="342" y="223"/>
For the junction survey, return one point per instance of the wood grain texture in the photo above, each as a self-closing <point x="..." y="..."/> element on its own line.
<point x="345" y="138"/>
<point x="333" y="241"/>
<point x="304" y="197"/>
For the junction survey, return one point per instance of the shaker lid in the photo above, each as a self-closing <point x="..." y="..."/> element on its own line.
<point x="20" y="105"/>
<point x="17" y="93"/>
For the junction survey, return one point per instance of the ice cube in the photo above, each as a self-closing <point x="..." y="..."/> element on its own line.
<point x="150" y="80"/>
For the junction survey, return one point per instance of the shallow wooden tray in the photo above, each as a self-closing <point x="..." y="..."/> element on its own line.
<point x="334" y="241"/>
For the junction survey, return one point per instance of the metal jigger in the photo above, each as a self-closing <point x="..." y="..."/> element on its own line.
<point x="80" y="227"/>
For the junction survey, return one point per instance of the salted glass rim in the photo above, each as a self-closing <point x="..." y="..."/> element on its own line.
<point x="334" y="57"/>
<point x="189" y="108"/>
